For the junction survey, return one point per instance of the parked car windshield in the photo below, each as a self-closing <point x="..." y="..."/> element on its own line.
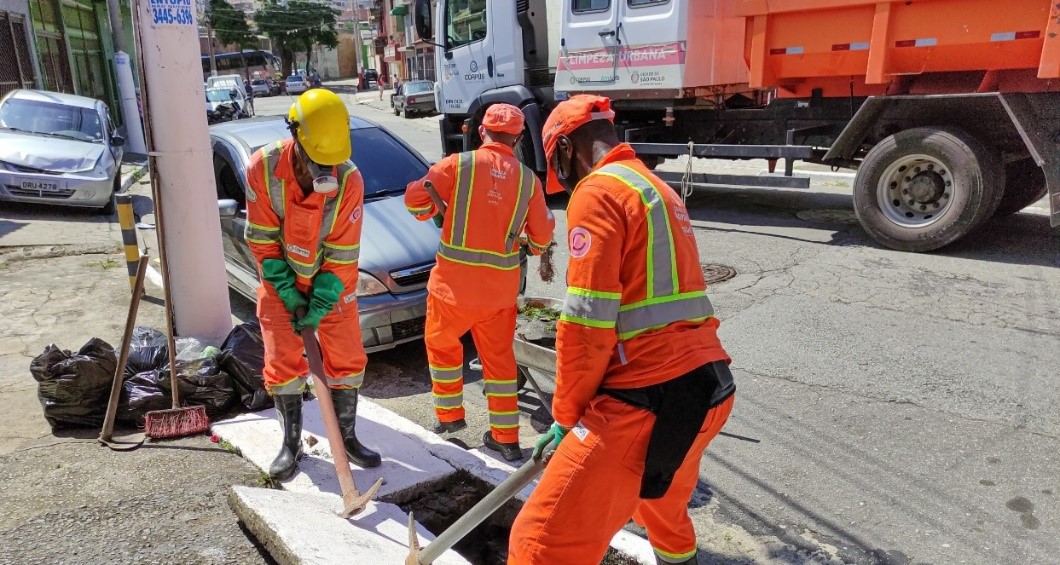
<point x="219" y="95"/>
<point x="48" y="118"/>
<point x="257" y="81"/>
<point x="418" y="87"/>
<point x="294" y="79"/>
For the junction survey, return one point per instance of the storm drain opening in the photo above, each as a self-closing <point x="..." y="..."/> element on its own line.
<point x="714" y="274"/>
<point x="448" y="500"/>
<point x="828" y="216"/>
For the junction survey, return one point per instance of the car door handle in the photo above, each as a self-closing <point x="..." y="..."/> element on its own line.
<point x="607" y="32"/>
<point x="489" y="65"/>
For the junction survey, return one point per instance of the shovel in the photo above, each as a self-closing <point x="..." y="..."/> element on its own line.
<point x="484" y="509"/>
<point x="353" y="502"/>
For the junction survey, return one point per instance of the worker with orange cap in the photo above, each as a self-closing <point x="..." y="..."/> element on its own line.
<point x="486" y="199"/>
<point x="304" y="217"/>
<point x="642" y="381"/>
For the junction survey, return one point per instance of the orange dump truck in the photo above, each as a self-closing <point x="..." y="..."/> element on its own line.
<point x="949" y="110"/>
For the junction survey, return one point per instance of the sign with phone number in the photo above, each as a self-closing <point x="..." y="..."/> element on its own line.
<point x="172" y="13"/>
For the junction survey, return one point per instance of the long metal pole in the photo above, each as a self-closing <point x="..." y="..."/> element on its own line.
<point x="213" y="56"/>
<point x="130" y="111"/>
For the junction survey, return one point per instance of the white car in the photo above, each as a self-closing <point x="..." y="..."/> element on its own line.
<point x="58" y="149"/>
<point x="297" y="84"/>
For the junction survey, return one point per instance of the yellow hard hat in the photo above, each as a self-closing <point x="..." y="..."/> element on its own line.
<point x="323" y="126"/>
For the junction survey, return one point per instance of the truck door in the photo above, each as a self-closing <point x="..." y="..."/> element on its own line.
<point x="468" y="63"/>
<point x="589" y="50"/>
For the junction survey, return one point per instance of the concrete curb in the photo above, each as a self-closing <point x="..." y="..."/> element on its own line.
<point x="257" y="435"/>
<point x="136" y="172"/>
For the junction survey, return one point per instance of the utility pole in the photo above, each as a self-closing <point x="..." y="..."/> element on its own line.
<point x="130" y="110"/>
<point x="209" y="40"/>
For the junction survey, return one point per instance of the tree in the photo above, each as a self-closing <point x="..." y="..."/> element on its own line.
<point x="298" y="25"/>
<point x="230" y="27"/>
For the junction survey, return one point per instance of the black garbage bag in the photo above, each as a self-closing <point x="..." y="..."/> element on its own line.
<point x="202" y="382"/>
<point x="73" y="388"/>
<point x="243" y="357"/>
<point x="147" y="351"/>
<point x="140" y="394"/>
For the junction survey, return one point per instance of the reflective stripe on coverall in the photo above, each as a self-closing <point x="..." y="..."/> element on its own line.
<point x="313" y="233"/>
<point x="636" y="314"/>
<point x="491" y="198"/>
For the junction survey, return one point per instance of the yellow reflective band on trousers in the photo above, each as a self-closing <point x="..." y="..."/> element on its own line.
<point x="674" y="557"/>
<point x="500" y="388"/>
<point x="664" y="303"/>
<point x="276" y="189"/>
<point x="293" y="386"/>
<point x="506" y="420"/>
<point x="350" y="381"/>
<point x="478" y="257"/>
<point x="447" y="386"/>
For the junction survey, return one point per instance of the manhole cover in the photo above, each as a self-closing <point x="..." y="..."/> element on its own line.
<point x="713" y="274"/>
<point x="828" y="216"/>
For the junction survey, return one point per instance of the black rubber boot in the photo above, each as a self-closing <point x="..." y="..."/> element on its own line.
<point x="510" y="451"/>
<point x="345" y="400"/>
<point x="289" y="413"/>
<point x="450" y="427"/>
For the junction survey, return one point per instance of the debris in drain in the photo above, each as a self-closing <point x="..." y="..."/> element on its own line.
<point x="536" y="323"/>
<point x="714" y="274"/>
<point x="828" y="216"/>
<point x="487" y="544"/>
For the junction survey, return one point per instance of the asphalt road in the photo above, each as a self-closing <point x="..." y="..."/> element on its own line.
<point x="904" y="407"/>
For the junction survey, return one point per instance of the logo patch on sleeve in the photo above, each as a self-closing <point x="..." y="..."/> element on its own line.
<point x="580" y="241"/>
<point x="356" y="215"/>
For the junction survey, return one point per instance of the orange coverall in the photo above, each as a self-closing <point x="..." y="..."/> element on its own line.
<point x="636" y="314"/>
<point x="491" y="198"/>
<point x="314" y="233"/>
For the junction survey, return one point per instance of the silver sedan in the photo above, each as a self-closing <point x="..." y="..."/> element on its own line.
<point x="58" y="149"/>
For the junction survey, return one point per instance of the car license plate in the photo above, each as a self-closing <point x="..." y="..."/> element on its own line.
<point x="41" y="186"/>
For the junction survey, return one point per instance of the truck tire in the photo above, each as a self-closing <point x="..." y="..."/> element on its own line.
<point x="1024" y="185"/>
<point x="924" y="188"/>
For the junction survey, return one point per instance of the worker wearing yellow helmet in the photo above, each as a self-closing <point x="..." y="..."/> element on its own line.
<point x="304" y="217"/>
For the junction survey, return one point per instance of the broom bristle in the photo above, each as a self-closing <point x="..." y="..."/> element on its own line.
<point x="176" y="422"/>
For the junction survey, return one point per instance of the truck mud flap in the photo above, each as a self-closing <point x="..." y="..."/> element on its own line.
<point x="1037" y="119"/>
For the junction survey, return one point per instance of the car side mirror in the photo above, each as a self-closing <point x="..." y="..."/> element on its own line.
<point x="233" y="94"/>
<point x="117" y="140"/>
<point x="228" y="208"/>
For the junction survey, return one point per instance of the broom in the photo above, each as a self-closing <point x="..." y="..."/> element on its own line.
<point x="178" y="421"/>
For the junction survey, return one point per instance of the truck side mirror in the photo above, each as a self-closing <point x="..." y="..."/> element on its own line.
<point x="422" y="19"/>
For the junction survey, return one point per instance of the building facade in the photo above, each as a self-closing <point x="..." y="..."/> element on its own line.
<point x="17" y="48"/>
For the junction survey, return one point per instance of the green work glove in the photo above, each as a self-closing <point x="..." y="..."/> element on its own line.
<point x="327" y="288"/>
<point x="554" y="435"/>
<point x="278" y="273"/>
<point x="439" y="219"/>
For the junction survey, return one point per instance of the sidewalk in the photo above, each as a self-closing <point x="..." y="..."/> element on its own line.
<point x="67" y="499"/>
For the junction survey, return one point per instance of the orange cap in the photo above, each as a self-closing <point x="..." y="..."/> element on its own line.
<point x="503" y="118"/>
<point x="568" y="116"/>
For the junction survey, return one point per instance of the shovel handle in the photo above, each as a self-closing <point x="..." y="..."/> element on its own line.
<point x="438" y="202"/>
<point x="327" y="410"/>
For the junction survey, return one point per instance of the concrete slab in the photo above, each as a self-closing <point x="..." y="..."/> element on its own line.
<point x="407" y="464"/>
<point x="293" y="526"/>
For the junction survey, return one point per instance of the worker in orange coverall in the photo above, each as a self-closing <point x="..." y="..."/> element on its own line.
<point x="490" y="199"/>
<point x="642" y="380"/>
<point x="304" y="217"/>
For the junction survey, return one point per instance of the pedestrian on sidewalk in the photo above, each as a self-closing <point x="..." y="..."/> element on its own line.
<point x="304" y="218"/>
<point x="250" y="96"/>
<point x="642" y="380"/>
<point x="490" y="199"/>
<point x="381" y="85"/>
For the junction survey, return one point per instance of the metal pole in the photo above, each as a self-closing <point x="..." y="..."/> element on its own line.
<point x="127" y="221"/>
<point x="181" y="164"/>
<point x="134" y="133"/>
<point x="213" y="56"/>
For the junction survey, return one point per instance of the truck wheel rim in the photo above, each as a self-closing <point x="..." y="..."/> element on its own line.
<point x="915" y="191"/>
